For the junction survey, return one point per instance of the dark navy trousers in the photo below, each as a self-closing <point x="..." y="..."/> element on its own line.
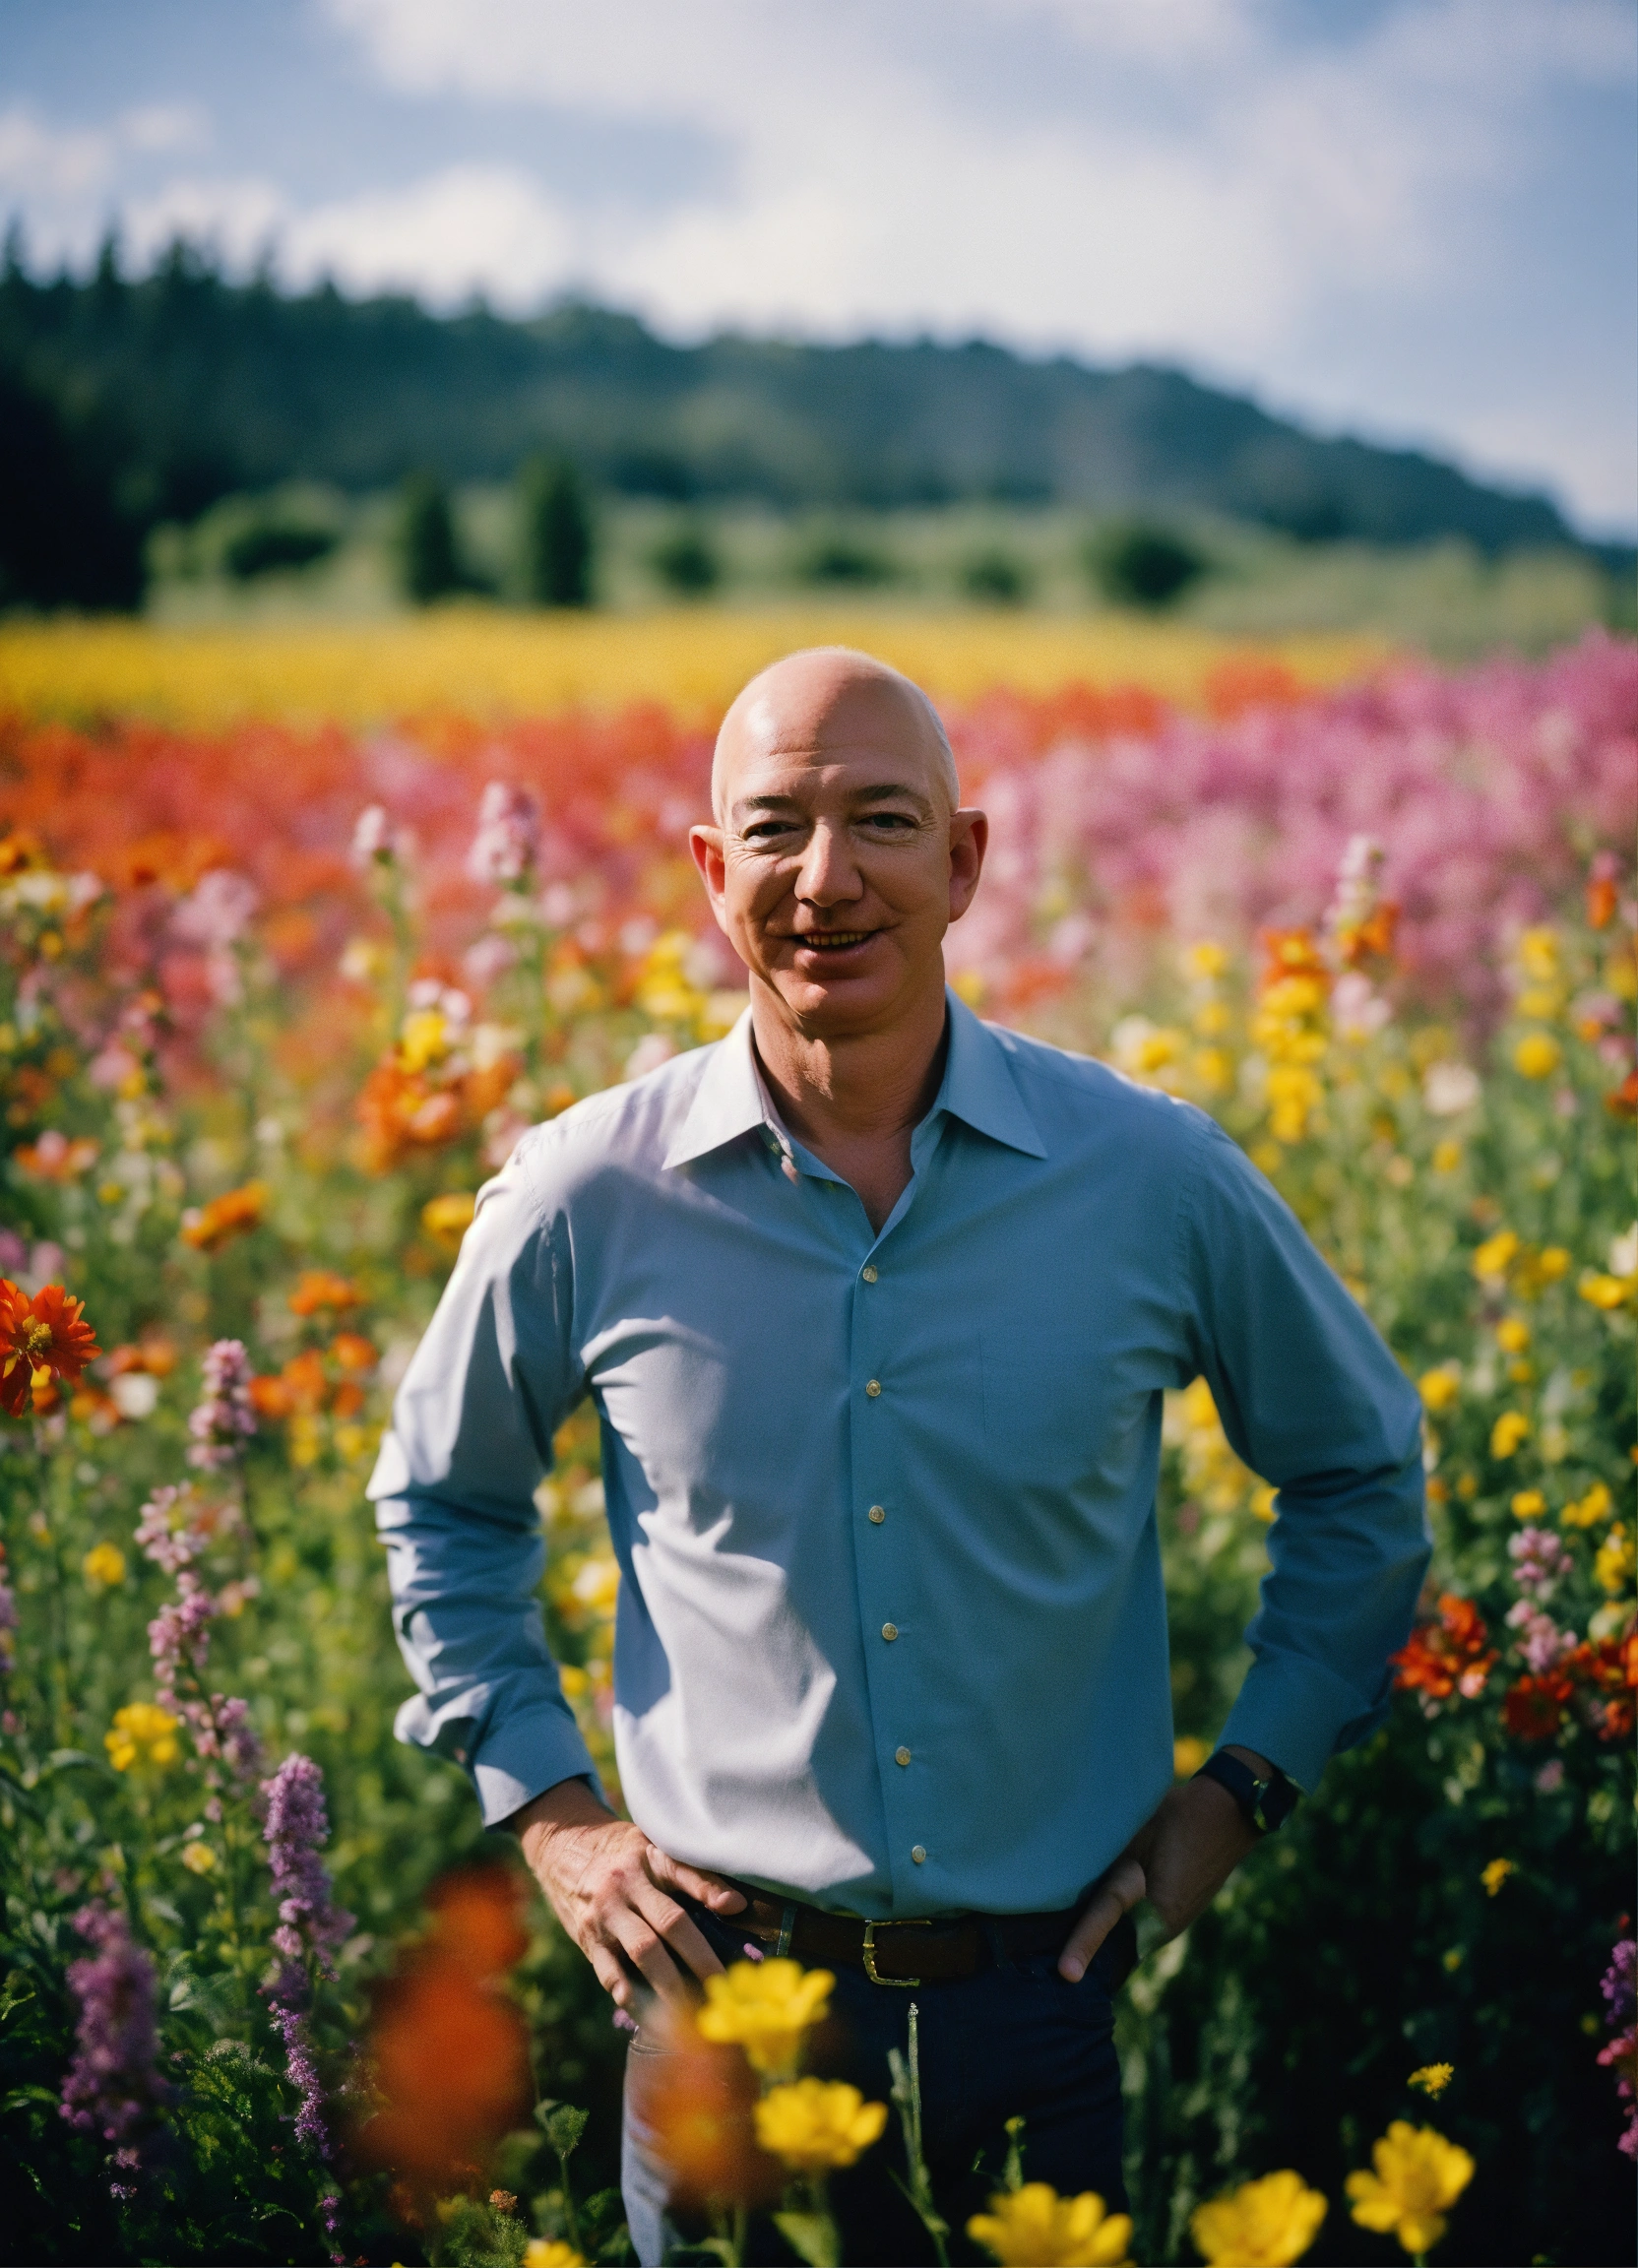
<point x="1015" y="2041"/>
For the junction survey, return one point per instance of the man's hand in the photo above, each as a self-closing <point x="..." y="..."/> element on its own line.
<point x="610" y="1888"/>
<point x="1178" y="1860"/>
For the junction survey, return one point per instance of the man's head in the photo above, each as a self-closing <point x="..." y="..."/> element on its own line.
<point x="839" y="856"/>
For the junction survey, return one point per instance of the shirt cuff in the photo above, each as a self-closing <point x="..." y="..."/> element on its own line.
<point x="1298" y="1714"/>
<point x="531" y="1750"/>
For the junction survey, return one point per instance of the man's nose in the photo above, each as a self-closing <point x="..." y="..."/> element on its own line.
<point x="829" y="872"/>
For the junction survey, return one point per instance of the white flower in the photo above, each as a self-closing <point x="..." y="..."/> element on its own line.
<point x="1623" y="1253"/>
<point x="1450" y="1088"/>
<point x="134" y="1394"/>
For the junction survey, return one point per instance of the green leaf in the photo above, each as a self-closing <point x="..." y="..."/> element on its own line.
<point x="813" y="2235"/>
<point x="563" y="2124"/>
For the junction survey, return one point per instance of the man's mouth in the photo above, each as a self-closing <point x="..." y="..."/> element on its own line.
<point x="831" y="941"/>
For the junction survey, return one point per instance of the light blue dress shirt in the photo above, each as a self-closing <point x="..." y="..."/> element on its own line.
<point x="892" y="1634"/>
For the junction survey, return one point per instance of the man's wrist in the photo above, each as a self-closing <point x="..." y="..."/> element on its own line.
<point x="1264" y="1794"/>
<point x="567" y="1804"/>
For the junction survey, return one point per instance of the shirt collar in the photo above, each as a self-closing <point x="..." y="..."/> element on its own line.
<point x="978" y="1088"/>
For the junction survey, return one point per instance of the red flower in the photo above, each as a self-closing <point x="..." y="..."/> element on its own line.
<point x="1534" y="1708"/>
<point x="1451" y="1656"/>
<point x="45" y="1333"/>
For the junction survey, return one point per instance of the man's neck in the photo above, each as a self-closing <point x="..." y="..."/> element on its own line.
<point x="854" y="1099"/>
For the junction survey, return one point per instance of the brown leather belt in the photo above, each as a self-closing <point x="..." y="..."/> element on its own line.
<point x="902" y="1953"/>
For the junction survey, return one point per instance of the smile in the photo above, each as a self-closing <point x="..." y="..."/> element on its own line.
<point x="832" y="940"/>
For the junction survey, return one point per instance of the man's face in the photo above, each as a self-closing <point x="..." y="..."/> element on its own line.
<point x="838" y="865"/>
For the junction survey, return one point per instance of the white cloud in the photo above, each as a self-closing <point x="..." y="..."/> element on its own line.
<point x="42" y="162"/>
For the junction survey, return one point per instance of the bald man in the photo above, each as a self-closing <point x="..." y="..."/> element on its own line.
<point x="878" y="1305"/>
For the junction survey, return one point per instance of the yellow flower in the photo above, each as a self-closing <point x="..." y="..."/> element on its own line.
<point x="1607" y="1292"/>
<point x="424" y="1040"/>
<point x="1537" y="1056"/>
<point x="1188" y="1753"/>
<point x="1213" y="1067"/>
<point x="198" y="1858"/>
<point x="1264" y="2224"/>
<point x="764" y="2007"/>
<point x="1452" y="1960"/>
<point x="814" y="2125"/>
<point x="1496" y="1254"/>
<point x="1537" y="954"/>
<point x="552" y="2252"/>
<point x="1495" y="1874"/>
<point x="1293" y="1094"/>
<point x="1207" y="958"/>
<point x="1509" y="1430"/>
<point x="1418" y="2176"/>
<point x="1596" y="1505"/>
<point x="1447" y="1156"/>
<point x="1432" y="2078"/>
<point x="1439" y="1388"/>
<point x="1512" y="1335"/>
<point x="1035" y="2228"/>
<point x="103" y="1566"/>
<point x="1617" y="1561"/>
<point x="1552" y="1262"/>
<point x="447" y="1219"/>
<point x="1262" y="1500"/>
<point x="141" y="1727"/>
<point x="1529" y="1504"/>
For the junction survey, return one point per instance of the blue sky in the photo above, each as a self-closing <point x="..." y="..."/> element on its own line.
<point x="1412" y="218"/>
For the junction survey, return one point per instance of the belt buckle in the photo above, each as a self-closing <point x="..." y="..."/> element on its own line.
<point x="903" y="1984"/>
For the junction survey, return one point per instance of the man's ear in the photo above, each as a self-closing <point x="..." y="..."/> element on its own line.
<point x="705" y="845"/>
<point x="968" y="841"/>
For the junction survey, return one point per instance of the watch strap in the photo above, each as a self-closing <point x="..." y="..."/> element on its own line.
<point x="1264" y="1803"/>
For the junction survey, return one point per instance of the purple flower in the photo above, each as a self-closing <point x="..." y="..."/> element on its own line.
<point x="112" y="2085"/>
<point x="1620" y="1992"/>
<point x="1540" y="1561"/>
<point x="310" y="1925"/>
<point x="508" y="835"/>
<point x="226" y="1418"/>
<point x="1540" y="1641"/>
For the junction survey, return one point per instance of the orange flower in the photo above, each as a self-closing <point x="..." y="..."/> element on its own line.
<point x="54" y="1158"/>
<point x="450" y="2050"/>
<point x="698" y="2102"/>
<point x="1451" y="1656"/>
<point x="1292" y="953"/>
<point x="1610" y="1666"/>
<point x="353" y="1352"/>
<point x="318" y="1288"/>
<point x="1603" y="897"/>
<point x="156" y="1355"/>
<point x="206" y="1227"/>
<point x="43" y="1339"/>
<point x="1624" y="1100"/>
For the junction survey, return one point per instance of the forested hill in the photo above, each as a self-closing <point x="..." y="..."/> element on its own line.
<point x="198" y="386"/>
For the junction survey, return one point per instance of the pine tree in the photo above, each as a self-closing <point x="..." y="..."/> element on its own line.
<point x="556" y="534"/>
<point x="428" y="560"/>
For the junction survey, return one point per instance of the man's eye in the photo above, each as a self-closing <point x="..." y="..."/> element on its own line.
<point x="768" y="830"/>
<point x="891" y="822"/>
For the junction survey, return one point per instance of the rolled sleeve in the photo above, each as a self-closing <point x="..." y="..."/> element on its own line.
<point x="1310" y="1399"/>
<point x="453" y="1490"/>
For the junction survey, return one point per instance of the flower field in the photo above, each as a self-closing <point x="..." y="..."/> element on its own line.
<point x="292" y="950"/>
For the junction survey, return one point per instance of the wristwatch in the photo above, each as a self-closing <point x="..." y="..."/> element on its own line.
<point x="1266" y="1803"/>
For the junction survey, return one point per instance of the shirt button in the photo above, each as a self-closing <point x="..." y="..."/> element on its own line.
<point x="868" y="1273"/>
<point x="872" y="1387"/>
<point x="918" y="1854"/>
<point x="901" y="1755"/>
<point x="890" y="1631"/>
<point x="876" y="1515"/>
